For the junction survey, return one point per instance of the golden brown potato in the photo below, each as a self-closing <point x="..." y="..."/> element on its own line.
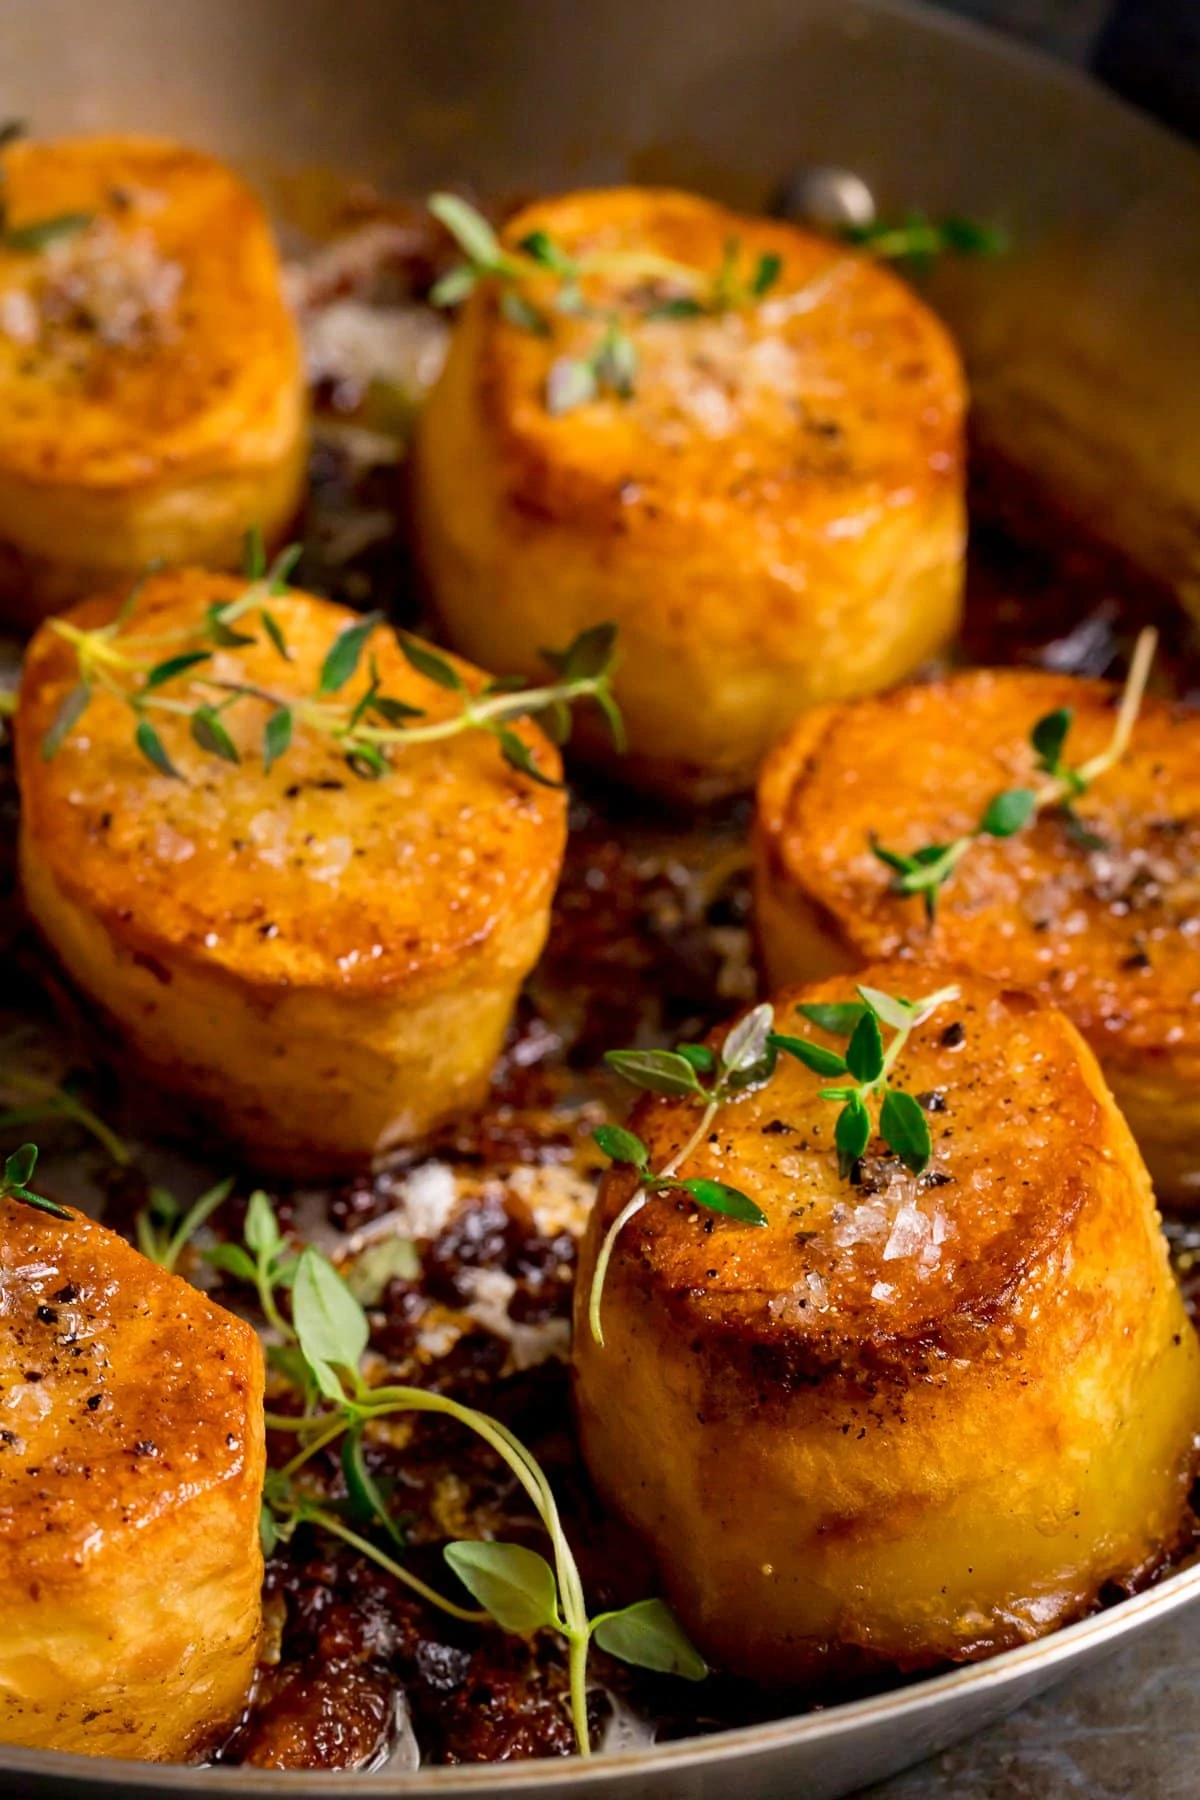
<point x="131" y="1466"/>
<point x="911" y="1420"/>
<point x="152" y="397"/>
<point x="773" y="518"/>
<point x="1110" y="933"/>
<point x="327" y="963"/>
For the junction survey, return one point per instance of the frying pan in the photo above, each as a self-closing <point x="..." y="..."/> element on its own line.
<point x="1084" y="360"/>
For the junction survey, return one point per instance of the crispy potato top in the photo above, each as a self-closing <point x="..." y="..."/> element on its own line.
<point x="305" y="873"/>
<point x="123" y="1393"/>
<point x="883" y="1272"/>
<point x="154" y="336"/>
<point x="1111" y="933"/>
<point x="835" y="391"/>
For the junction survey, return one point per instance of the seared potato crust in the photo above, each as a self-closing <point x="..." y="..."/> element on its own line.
<point x="774" y="518"/>
<point x="327" y="963"/>
<point x="152" y="394"/>
<point x="915" y="1420"/>
<point x="1111" y="934"/>
<point x="131" y="1466"/>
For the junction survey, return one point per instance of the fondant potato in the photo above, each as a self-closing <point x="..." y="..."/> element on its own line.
<point x="773" y="515"/>
<point x="131" y="1467"/>
<point x="326" y="963"/>
<point x="1100" y="914"/>
<point x="915" y="1418"/>
<point x="152" y="390"/>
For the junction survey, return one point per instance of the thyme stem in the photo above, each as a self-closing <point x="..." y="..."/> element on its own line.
<point x="362" y="729"/>
<point x="58" y="1103"/>
<point x="381" y="1402"/>
<point x="926" y="870"/>
<point x="316" y="1515"/>
<point x="1131" y="703"/>
<point x="634" y="1206"/>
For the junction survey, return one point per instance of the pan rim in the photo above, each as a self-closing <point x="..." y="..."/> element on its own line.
<point x="1099" y="1630"/>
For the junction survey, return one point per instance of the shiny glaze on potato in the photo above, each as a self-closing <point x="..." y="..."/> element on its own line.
<point x="327" y="963"/>
<point x="913" y="1419"/>
<point x="131" y="1464"/>
<point x="774" y="517"/>
<point x="152" y="399"/>
<point x="1111" y="933"/>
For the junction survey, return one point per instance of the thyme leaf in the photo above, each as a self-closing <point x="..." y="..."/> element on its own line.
<point x="647" y="1634"/>
<point x="342" y="660"/>
<point x="518" y="1588"/>
<point x="72" y="709"/>
<point x="211" y="735"/>
<point x="919" y="241"/>
<point x="426" y="661"/>
<point x="902" y="1123"/>
<point x="164" y="1227"/>
<point x="926" y="870"/>
<point x="366" y="729"/>
<point x="654" y="287"/>
<point x="274" y="631"/>
<point x="515" y="1585"/>
<point x="151" y="747"/>
<point x="18" y="1173"/>
<point x="277" y="736"/>
<point x="40" y="233"/>
<point x="746" y="1058"/>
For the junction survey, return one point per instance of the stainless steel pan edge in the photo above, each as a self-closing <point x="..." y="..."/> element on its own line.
<point x="1084" y="358"/>
<point x="819" y="1756"/>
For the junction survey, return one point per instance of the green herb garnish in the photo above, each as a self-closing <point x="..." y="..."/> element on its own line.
<point x="266" y="1262"/>
<point x="658" y="288"/>
<point x="919" y="241"/>
<point x="18" y="1173"/>
<point x="40" y="232"/>
<point x="707" y="1079"/>
<point x="164" y="1226"/>
<point x="132" y="668"/>
<point x="901" y="1122"/>
<point x="926" y="870"/>
<point x="319" y="1352"/>
<point x="43" y="1101"/>
<point x="518" y="1589"/>
<point x="609" y="367"/>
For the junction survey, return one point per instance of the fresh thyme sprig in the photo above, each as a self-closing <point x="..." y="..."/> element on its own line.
<point x="164" y="1227"/>
<point x="29" y="239"/>
<point x="706" y="1079"/>
<point x="46" y="1101"/>
<point x="18" y="1173"/>
<point x="926" y="871"/>
<point x="919" y="241"/>
<point x="609" y="367"/>
<point x="658" y="287"/>
<point x="319" y="1352"/>
<point x="132" y="668"/>
<point x="266" y="1263"/>
<point x="901" y="1122"/>
<point x="516" y="1587"/>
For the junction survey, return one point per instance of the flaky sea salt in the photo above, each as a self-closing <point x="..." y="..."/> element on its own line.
<point x="867" y="1223"/>
<point x="910" y="1232"/>
<point x="427" y="1199"/>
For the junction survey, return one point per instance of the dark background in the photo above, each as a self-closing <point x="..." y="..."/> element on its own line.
<point x="1148" y="50"/>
